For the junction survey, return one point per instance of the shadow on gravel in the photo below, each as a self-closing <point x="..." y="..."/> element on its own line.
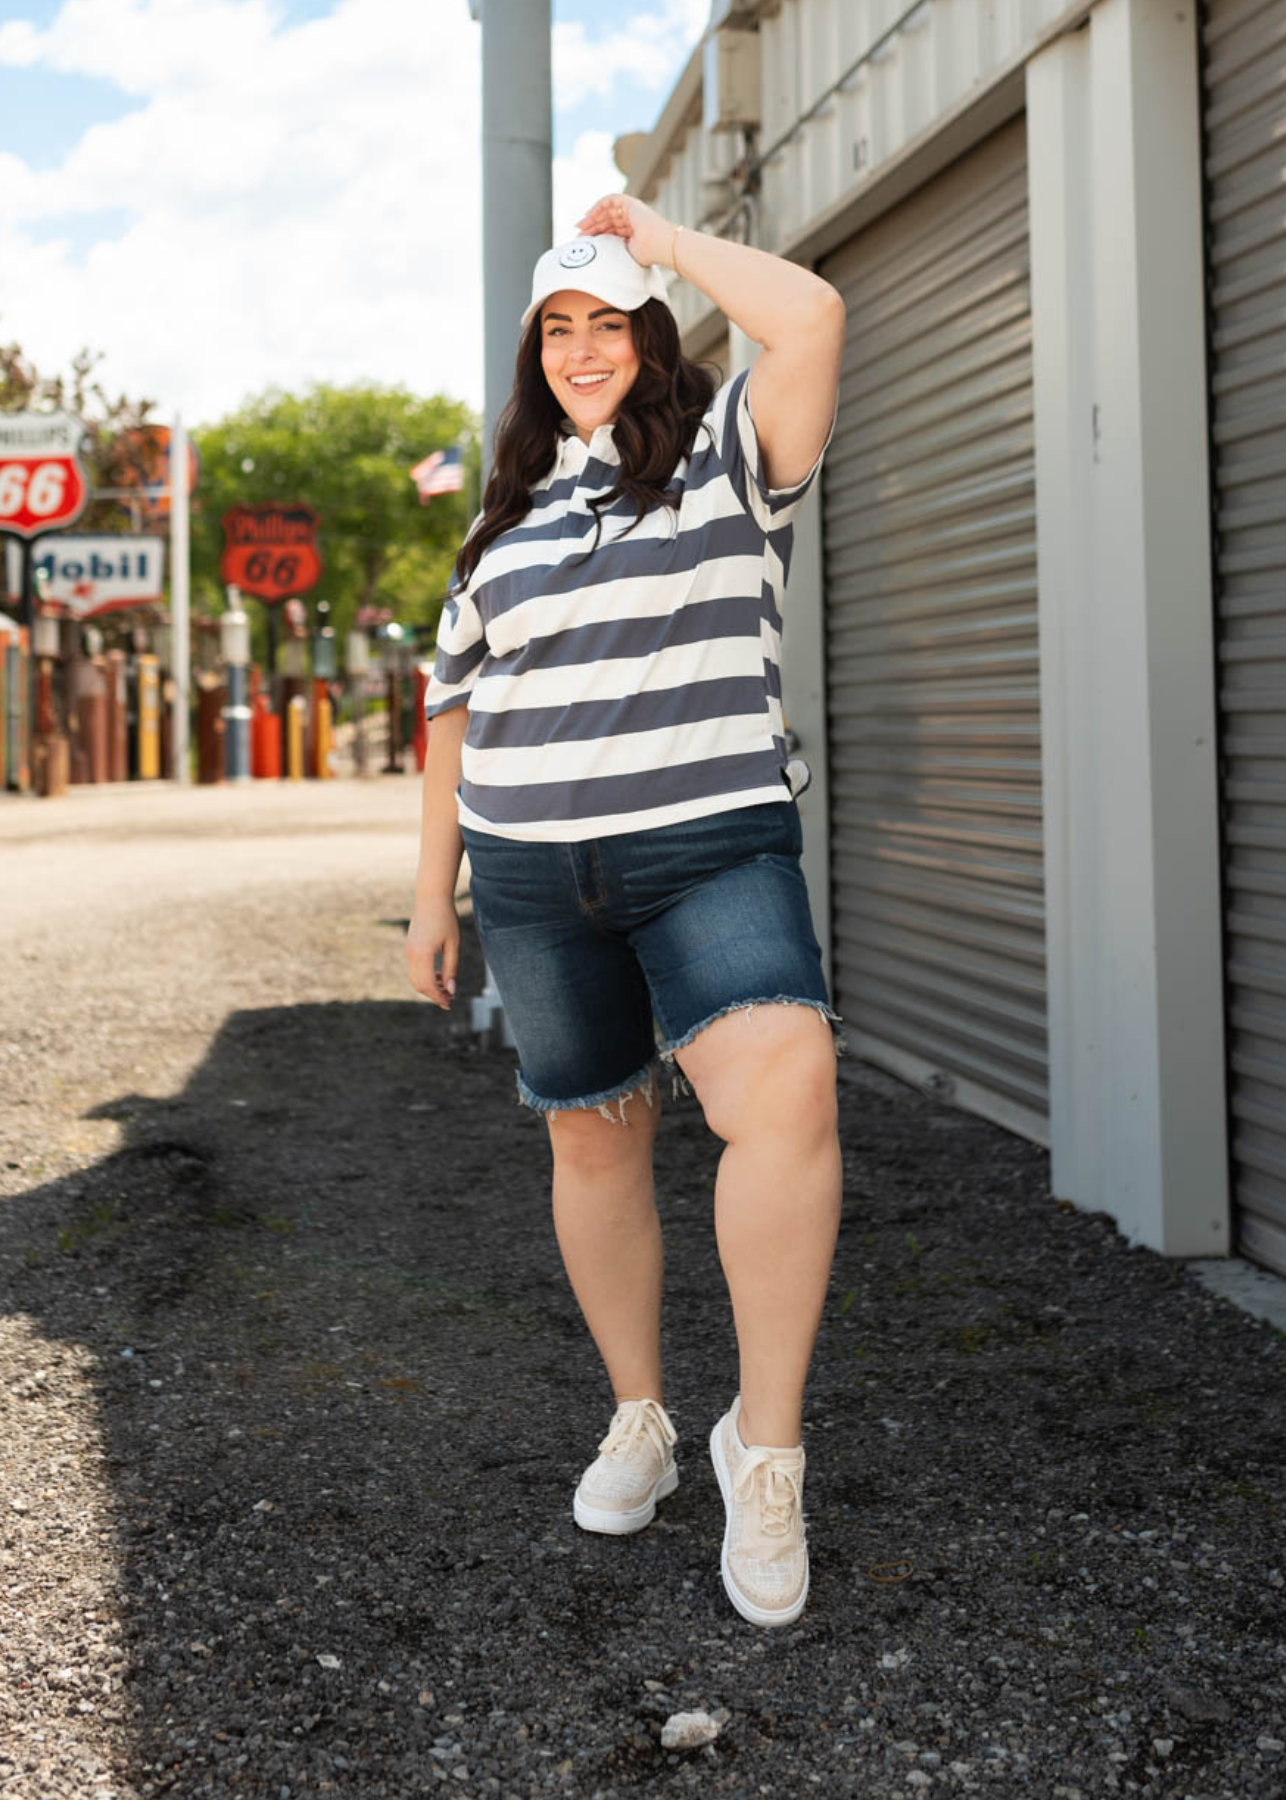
<point x="345" y="1394"/>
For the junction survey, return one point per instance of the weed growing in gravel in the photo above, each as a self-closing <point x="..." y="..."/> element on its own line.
<point x="1246" y="1490"/>
<point x="71" y="1236"/>
<point x="973" y="1338"/>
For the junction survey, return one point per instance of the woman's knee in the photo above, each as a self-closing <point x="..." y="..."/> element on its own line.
<point x="592" y="1138"/>
<point x="783" y="1084"/>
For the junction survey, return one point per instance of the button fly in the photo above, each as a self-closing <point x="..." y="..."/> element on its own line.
<point x="587" y="872"/>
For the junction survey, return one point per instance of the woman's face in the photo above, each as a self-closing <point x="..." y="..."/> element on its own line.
<point x="588" y="355"/>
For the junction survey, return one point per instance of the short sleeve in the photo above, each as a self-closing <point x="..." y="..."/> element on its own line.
<point x="462" y="644"/>
<point x="738" y="450"/>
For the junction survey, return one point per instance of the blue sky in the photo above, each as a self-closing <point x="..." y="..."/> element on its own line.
<point x="297" y="177"/>
<point x="634" y="107"/>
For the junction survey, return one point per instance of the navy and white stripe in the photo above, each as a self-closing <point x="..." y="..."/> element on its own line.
<point x="638" y="685"/>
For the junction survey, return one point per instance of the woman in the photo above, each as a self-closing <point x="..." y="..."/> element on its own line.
<point x="607" y="742"/>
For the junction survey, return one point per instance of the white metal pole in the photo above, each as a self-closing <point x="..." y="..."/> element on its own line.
<point x="180" y="592"/>
<point x="517" y="227"/>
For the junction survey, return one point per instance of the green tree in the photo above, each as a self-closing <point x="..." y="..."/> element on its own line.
<point x="347" y="452"/>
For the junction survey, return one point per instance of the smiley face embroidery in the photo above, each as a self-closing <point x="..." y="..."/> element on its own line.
<point x="575" y="256"/>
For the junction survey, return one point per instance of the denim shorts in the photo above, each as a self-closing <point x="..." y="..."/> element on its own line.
<point x="612" y="953"/>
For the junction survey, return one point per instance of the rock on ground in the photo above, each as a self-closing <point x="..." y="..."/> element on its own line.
<point x="688" y="1731"/>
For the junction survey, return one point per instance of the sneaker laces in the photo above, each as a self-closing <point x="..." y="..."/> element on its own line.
<point x="636" y="1421"/>
<point x="783" y="1492"/>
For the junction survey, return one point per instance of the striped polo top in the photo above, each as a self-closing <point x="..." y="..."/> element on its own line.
<point x="639" y="684"/>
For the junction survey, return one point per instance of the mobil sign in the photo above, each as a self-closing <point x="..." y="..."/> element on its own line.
<point x="88" y="575"/>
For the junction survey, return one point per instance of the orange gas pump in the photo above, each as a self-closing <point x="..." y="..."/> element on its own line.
<point x="296" y="730"/>
<point x="321" y="729"/>
<point x="149" y="716"/>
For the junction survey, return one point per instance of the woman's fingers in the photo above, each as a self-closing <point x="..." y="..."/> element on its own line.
<point x="446" y="974"/>
<point x="621" y="214"/>
<point x="646" y="233"/>
<point x="426" y="942"/>
<point x="610" y="214"/>
<point x="423" y="977"/>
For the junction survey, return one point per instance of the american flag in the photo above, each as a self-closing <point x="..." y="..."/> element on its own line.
<point x="440" y="473"/>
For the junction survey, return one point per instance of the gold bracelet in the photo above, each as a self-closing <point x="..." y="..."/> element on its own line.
<point x="674" y="260"/>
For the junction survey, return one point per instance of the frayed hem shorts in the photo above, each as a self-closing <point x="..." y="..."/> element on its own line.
<point x="612" y="953"/>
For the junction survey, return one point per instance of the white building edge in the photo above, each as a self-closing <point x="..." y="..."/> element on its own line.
<point x="1035" y="643"/>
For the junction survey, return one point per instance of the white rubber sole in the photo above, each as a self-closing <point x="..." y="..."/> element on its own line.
<point x="757" y="1615"/>
<point x="621" y="1524"/>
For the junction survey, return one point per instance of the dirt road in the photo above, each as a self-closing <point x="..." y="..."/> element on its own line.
<point x="293" y="1395"/>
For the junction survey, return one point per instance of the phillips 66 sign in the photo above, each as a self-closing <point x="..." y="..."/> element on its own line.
<point x="43" y="485"/>
<point x="271" y="550"/>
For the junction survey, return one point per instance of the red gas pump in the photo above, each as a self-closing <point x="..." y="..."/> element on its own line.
<point x="265" y="740"/>
<point x="419" y="724"/>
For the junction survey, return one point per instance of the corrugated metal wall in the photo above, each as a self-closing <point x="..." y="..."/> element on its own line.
<point x="941" y="55"/>
<point x="929" y="499"/>
<point x="1245" y="109"/>
<point x="838" y="103"/>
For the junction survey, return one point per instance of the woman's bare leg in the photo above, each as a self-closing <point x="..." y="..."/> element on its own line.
<point x="766" y="1081"/>
<point x="610" y="1237"/>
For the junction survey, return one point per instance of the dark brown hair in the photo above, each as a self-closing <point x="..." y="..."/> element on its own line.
<point x="655" y="427"/>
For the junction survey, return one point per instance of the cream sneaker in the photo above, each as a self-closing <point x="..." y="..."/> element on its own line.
<point x="635" y="1469"/>
<point x="765" y="1556"/>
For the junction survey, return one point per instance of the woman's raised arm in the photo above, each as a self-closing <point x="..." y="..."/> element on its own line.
<point x="797" y="317"/>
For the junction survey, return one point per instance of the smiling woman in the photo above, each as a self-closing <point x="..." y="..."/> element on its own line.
<point x="589" y="359"/>
<point x="608" y="743"/>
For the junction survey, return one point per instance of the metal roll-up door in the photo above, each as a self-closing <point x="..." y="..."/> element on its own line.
<point x="1244" y="55"/>
<point x="938" y="948"/>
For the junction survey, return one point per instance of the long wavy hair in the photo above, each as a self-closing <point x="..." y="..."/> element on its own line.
<point x="655" y="427"/>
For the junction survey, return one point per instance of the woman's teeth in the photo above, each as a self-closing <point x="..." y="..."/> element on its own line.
<point x="590" y="381"/>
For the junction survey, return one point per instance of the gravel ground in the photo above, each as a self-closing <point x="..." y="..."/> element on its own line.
<point x="293" y="1395"/>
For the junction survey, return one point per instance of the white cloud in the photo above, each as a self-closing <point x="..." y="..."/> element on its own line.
<point x="581" y="178"/>
<point x="139" y="43"/>
<point x="301" y="201"/>
<point x="642" y="51"/>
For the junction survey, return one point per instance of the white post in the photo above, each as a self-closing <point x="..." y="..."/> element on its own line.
<point x="517" y="227"/>
<point x="803" y="681"/>
<point x="1127" y="629"/>
<point x="180" y="592"/>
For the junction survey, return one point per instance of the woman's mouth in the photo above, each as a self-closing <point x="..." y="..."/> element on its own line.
<point x="586" y="384"/>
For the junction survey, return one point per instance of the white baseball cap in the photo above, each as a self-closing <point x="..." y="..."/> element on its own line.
<point x="601" y="266"/>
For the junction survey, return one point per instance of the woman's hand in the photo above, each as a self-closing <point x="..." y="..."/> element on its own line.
<point x="434" y="931"/>
<point x="647" y="235"/>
